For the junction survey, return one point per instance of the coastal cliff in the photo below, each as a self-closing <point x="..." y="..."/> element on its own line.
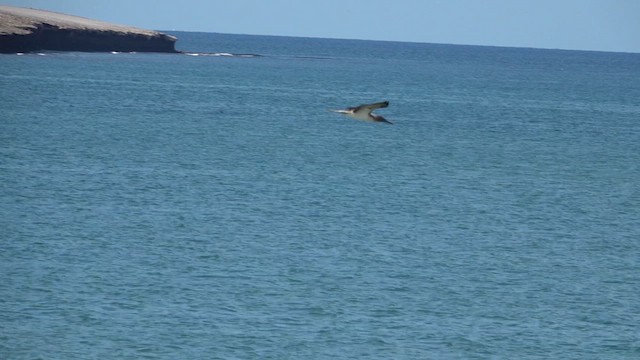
<point x="27" y="30"/>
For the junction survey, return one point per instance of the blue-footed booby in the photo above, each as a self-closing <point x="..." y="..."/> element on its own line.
<point x="363" y="112"/>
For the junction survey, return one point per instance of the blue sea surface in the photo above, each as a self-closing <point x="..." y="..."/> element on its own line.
<point x="208" y="206"/>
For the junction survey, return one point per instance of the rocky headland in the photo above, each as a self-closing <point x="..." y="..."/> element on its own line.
<point x="26" y="30"/>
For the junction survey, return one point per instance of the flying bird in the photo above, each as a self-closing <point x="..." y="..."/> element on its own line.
<point x="364" y="112"/>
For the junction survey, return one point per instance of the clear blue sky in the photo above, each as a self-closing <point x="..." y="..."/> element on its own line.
<point x="609" y="25"/>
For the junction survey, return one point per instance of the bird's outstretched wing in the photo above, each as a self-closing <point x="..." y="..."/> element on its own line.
<point x="370" y="107"/>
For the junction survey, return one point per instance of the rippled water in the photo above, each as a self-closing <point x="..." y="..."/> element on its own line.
<point x="173" y="206"/>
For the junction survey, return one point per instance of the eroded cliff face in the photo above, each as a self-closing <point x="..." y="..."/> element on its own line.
<point x="47" y="37"/>
<point x="26" y="30"/>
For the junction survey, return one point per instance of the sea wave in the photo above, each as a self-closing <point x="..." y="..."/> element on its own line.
<point x="225" y="54"/>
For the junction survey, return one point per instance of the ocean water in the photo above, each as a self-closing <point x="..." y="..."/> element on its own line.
<point x="208" y="206"/>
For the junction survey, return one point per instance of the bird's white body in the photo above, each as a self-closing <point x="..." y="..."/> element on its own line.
<point x="361" y="115"/>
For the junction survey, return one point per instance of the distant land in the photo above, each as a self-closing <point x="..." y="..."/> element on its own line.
<point x="27" y="30"/>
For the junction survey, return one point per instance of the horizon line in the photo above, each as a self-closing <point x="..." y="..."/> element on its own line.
<point x="406" y="41"/>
